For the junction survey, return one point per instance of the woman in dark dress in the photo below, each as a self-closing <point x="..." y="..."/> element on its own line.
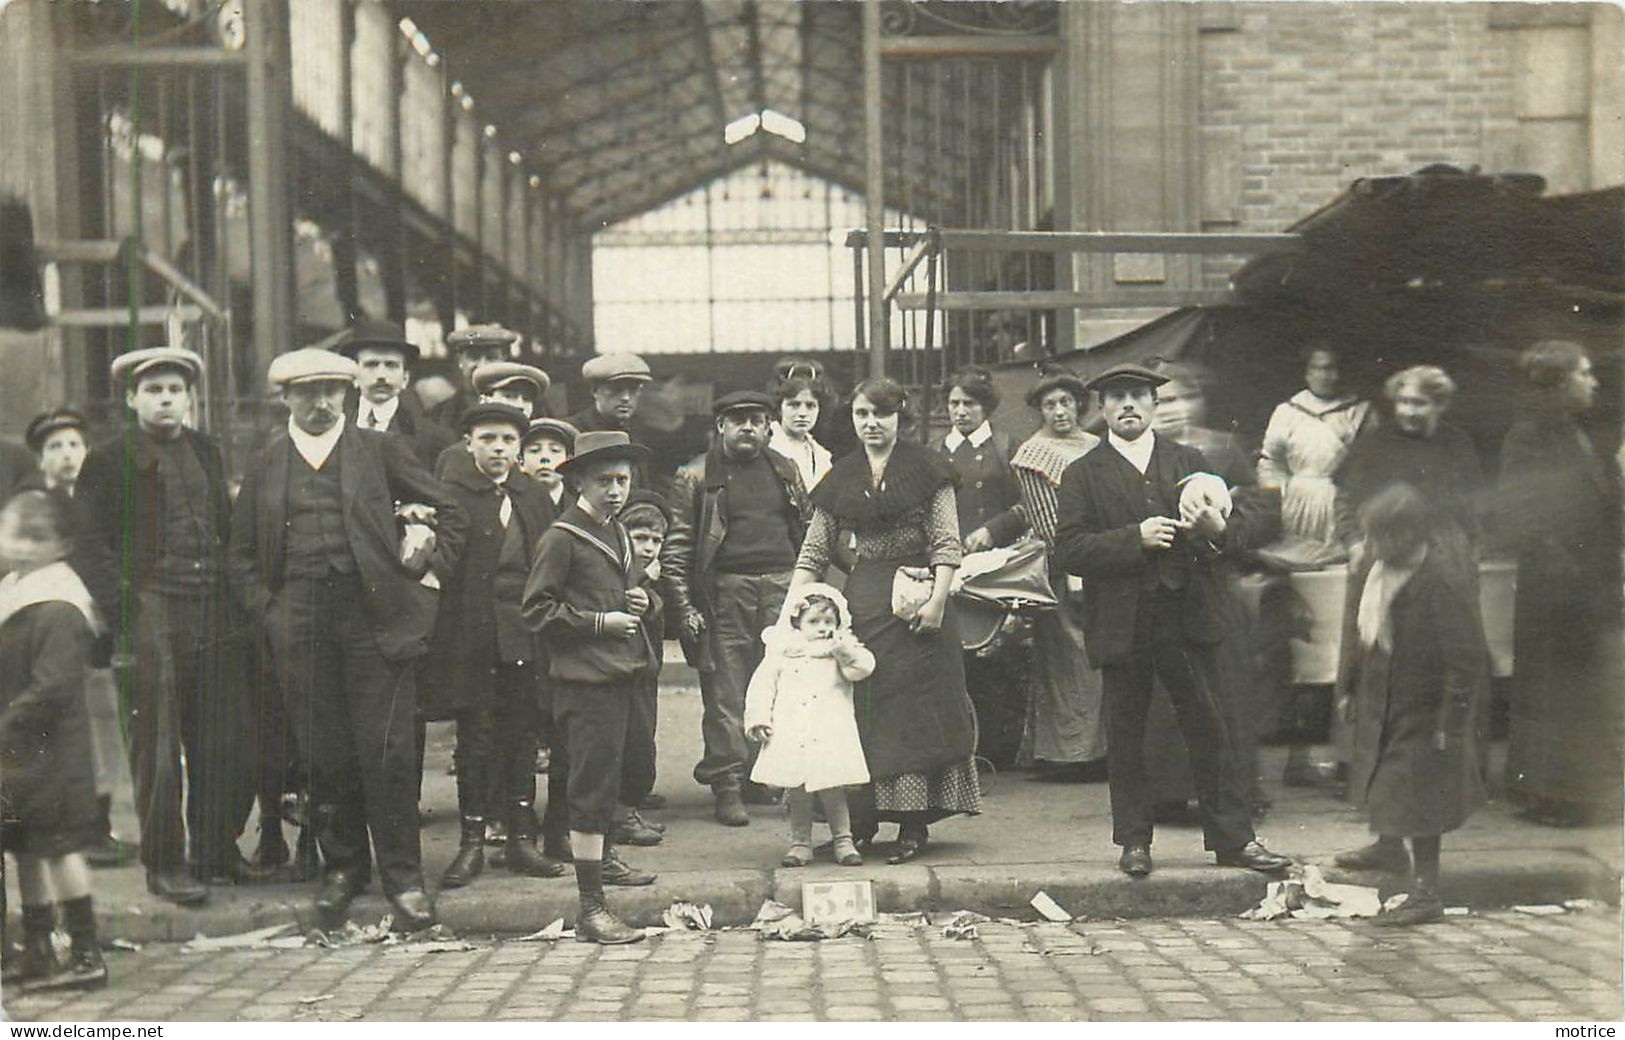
<point x="914" y="718"/>
<point x="998" y="675"/>
<point x="1560" y="506"/>
<point x="1419" y="673"/>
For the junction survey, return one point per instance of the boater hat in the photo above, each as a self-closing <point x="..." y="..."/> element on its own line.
<point x="380" y="335"/>
<point x="495" y="412"/>
<point x="1126" y="373"/>
<point x="127" y="368"/>
<point x="604" y="446"/>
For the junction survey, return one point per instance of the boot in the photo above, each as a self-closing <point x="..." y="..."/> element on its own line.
<point x="36" y="961"/>
<point x="730" y="809"/>
<point x="557" y="846"/>
<point x="84" y="968"/>
<point x="1386" y="856"/>
<point x="470" y="860"/>
<point x="616" y="871"/>
<point x="108" y="851"/>
<point x="1421" y="906"/>
<point x="272" y="850"/>
<point x="630" y="829"/>
<point x="594" y="921"/>
<point x="522" y="855"/>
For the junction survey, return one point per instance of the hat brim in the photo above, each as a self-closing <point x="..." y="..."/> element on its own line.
<point x="552" y="432"/>
<point x="1125" y="379"/>
<point x="1043" y="386"/>
<point x="42" y="433"/>
<point x="130" y="373"/>
<point x="634" y="453"/>
<point x="351" y="347"/>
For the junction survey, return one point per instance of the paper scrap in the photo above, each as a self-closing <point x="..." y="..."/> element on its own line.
<point x="552" y="932"/>
<point x="1585" y="904"/>
<point x="240" y="941"/>
<point x="1456" y="911"/>
<point x="1306" y="895"/>
<point x="1049" y="909"/>
<point x="316" y="1000"/>
<point x="689" y="916"/>
<point x="1540" y="909"/>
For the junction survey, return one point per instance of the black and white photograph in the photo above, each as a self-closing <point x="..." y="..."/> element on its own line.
<point x="828" y="511"/>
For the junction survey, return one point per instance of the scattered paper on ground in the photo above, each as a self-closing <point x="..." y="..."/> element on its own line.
<point x="1456" y="911"/>
<point x="694" y="918"/>
<point x="1585" y="904"/>
<point x="259" y="938"/>
<point x="1540" y="909"/>
<point x="776" y="921"/>
<point x="963" y="925"/>
<point x="316" y="1000"/>
<point x="1049" y="909"/>
<point x="1305" y="894"/>
<point x="553" y="932"/>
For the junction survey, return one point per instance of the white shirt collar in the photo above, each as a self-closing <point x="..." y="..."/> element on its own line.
<point x="314" y="448"/>
<point x="557" y="494"/>
<point x="383" y="413"/>
<point x="977" y="438"/>
<point x="1137" y="451"/>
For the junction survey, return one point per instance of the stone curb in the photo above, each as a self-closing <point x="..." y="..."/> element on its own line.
<point x="505" y="905"/>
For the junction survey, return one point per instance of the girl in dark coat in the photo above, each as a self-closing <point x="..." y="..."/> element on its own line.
<point x="47" y="780"/>
<point x="1419" y="674"/>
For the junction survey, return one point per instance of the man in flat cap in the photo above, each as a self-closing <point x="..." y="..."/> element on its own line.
<point x="616" y="382"/>
<point x="739" y="515"/>
<point x="473" y="347"/>
<point x="513" y="384"/>
<point x="316" y="560"/>
<point x="482" y="668"/>
<point x="153" y="528"/>
<point x="384" y="361"/>
<point x="1152" y="533"/>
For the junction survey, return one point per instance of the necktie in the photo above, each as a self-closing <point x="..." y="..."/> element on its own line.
<point x="504" y="511"/>
<point x="372" y="420"/>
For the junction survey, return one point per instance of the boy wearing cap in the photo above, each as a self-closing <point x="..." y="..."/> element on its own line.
<point x="1141" y="522"/>
<point x="316" y="561"/>
<point x="584" y="598"/>
<point x="500" y="382"/>
<point x="740" y="514"/>
<point x="646" y="519"/>
<point x="154" y="525"/>
<point x="384" y="360"/>
<point x="57" y="439"/>
<point x="482" y="665"/>
<point x="473" y="347"/>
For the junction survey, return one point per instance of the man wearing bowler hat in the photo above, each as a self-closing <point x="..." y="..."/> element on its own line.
<point x="152" y="531"/>
<point x="1152" y="532"/>
<point x="473" y="347"/>
<point x="316" y="560"/>
<point x="739" y="515"/>
<point x="384" y="361"/>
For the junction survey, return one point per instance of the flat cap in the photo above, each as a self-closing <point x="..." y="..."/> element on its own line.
<point x="494" y="412"/>
<point x="493" y="374"/>
<point x="558" y="429"/>
<point x="127" y="368"/>
<point x="604" y="446"/>
<point x="606" y="368"/>
<point x="40" y="429"/>
<point x="1128" y="372"/>
<point x="743" y="399"/>
<point x="482" y="336"/>
<point x="380" y="335"/>
<point x="311" y="365"/>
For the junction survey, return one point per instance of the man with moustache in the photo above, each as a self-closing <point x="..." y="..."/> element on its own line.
<point x="384" y="361"/>
<point x="315" y="560"/>
<point x="152" y="531"/>
<point x="739" y="515"/>
<point x="1152" y="533"/>
<point x="474" y="346"/>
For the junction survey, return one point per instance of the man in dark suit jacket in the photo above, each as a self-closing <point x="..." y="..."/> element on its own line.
<point x="1153" y="587"/>
<point x="315" y="559"/>
<point x="385" y="359"/>
<point x="152" y="524"/>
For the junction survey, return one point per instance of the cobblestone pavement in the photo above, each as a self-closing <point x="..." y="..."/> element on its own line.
<point x="1501" y="965"/>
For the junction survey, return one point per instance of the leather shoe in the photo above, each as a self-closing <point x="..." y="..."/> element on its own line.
<point x="108" y="851"/>
<point x="730" y="810"/>
<point x="619" y="872"/>
<point x="1418" y="908"/>
<point x="414" y="911"/>
<point x="339" y="887"/>
<point x="1253" y="856"/>
<point x="1135" y="861"/>
<point x="176" y="887"/>
<point x="596" y="924"/>
<point x="631" y="830"/>
<point x="1391" y="859"/>
<point x="233" y="869"/>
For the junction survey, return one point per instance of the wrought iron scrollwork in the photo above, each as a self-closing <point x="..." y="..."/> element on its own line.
<point x="1000" y="17"/>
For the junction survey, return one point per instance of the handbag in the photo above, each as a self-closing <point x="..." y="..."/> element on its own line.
<point x="911" y="587"/>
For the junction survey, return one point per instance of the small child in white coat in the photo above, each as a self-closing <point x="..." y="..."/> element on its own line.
<point x="800" y="704"/>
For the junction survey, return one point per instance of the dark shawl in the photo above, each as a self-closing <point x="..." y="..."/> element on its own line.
<point x="913" y="475"/>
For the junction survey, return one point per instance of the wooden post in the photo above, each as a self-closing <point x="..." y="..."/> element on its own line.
<point x="270" y="223"/>
<point x="874" y="188"/>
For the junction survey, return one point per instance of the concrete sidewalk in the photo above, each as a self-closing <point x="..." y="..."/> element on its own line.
<point x="1032" y="836"/>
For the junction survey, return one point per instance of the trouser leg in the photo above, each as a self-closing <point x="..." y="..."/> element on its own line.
<point x="1126" y="687"/>
<point x="745" y="605"/>
<point x="382" y="716"/>
<point x="638" y="759"/>
<point x="147" y="689"/>
<point x="514" y="734"/>
<point x="1189" y="674"/>
<point x="211" y="677"/>
<point x="472" y="756"/>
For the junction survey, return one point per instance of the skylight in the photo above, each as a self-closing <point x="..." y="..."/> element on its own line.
<point x="774" y="122"/>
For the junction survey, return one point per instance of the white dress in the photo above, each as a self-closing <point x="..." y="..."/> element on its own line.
<point x="804" y="693"/>
<point x="1306" y="439"/>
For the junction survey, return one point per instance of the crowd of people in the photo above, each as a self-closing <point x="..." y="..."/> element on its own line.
<point x="383" y="565"/>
